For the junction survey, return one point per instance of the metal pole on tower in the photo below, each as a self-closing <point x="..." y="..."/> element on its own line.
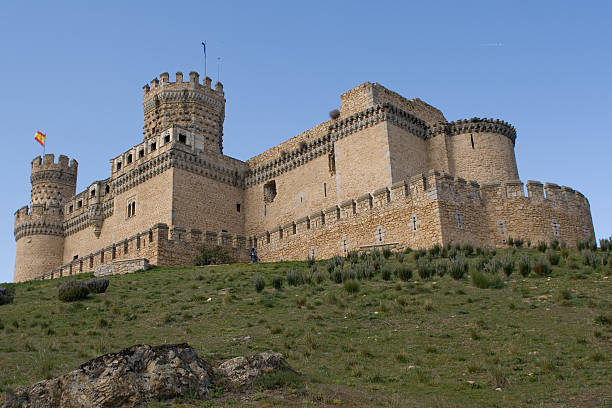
<point x="204" y="45"/>
<point x="218" y="69"/>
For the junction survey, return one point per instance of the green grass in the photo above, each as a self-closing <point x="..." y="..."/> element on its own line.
<point x="545" y="341"/>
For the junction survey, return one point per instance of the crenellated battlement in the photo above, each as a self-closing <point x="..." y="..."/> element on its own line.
<point x="474" y="125"/>
<point x="48" y="163"/>
<point x="166" y="91"/>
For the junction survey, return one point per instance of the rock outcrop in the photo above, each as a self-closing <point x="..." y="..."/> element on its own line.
<point x="140" y="373"/>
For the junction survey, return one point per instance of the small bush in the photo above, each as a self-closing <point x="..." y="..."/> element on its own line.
<point x="387" y="272"/>
<point x="468" y="249"/>
<point x="492" y="266"/>
<point x="403" y="272"/>
<point x="351" y="286"/>
<point x="458" y="267"/>
<point x="318" y="277"/>
<point x="216" y="255"/>
<point x="542" y="246"/>
<point x="604" y="320"/>
<point x="507" y="264"/>
<point x="554" y="244"/>
<point x="277" y="282"/>
<point x="7" y="294"/>
<point x="352" y="257"/>
<point x="518" y="242"/>
<point x="541" y="267"/>
<point x="259" y="282"/>
<point x="294" y="278"/>
<point x="425" y="268"/>
<point x="386" y="253"/>
<point x="485" y="280"/>
<point x="310" y="261"/>
<point x="97" y="285"/>
<point x="418" y="254"/>
<point x="441" y="267"/>
<point x="72" y="291"/>
<point x="590" y="258"/>
<point x="435" y="250"/>
<point x="364" y="271"/>
<point x="553" y="257"/>
<point x="400" y="257"/>
<point x="336" y="275"/>
<point x="524" y="266"/>
<point x="605" y="244"/>
<point x="348" y="274"/>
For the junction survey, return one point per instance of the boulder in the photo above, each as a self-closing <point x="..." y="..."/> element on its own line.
<point x="241" y="371"/>
<point x="140" y="373"/>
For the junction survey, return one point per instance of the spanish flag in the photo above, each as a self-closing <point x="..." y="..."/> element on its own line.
<point x="40" y="138"/>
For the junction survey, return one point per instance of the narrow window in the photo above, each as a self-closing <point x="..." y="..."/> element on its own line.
<point x="90" y="261"/>
<point x="129" y="160"/>
<point x="265" y="210"/>
<point x="472" y="139"/>
<point x="153" y="146"/>
<point x="267" y="237"/>
<point x="166" y="138"/>
<point x="118" y="166"/>
<point x="93" y="193"/>
<point x="324" y="189"/>
<point x="80" y="204"/>
<point x="107" y="189"/>
<point x="182" y="139"/>
<point x="294" y="229"/>
<point x="70" y="209"/>
<point x="141" y="153"/>
<point x="131" y="208"/>
<point x="74" y="258"/>
<point x="237" y="207"/>
<point x="154" y="129"/>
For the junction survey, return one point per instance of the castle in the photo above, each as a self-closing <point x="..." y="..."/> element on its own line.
<point x="384" y="171"/>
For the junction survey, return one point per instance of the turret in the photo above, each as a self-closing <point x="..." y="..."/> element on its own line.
<point x="39" y="229"/>
<point x="192" y="105"/>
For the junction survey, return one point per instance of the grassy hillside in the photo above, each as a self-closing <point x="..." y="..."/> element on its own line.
<point x="540" y="341"/>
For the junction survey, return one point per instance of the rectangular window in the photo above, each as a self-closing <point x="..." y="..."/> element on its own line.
<point x="129" y="159"/>
<point x="118" y="166"/>
<point x="167" y="139"/>
<point x="153" y="146"/>
<point x="141" y="153"/>
<point x="131" y="208"/>
<point x="183" y="139"/>
<point x="237" y="207"/>
<point x="80" y="204"/>
<point x="324" y="189"/>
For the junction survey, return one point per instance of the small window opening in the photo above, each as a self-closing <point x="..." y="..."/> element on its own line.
<point x="93" y="193"/>
<point x="265" y="209"/>
<point x="74" y="258"/>
<point x="267" y="237"/>
<point x="129" y="160"/>
<point x="332" y="162"/>
<point x="269" y="191"/>
<point x="118" y="166"/>
<point x="324" y="189"/>
<point x="154" y="129"/>
<point x="70" y="209"/>
<point x="131" y="208"/>
<point x="167" y="139"/>
<point x="141" y="153"/>
<point x="223" y="230"/>
<point x="153" y="146"/>
<point x="80" y="204"/>
<point x="237" y="207"/>
<point x="294" y="229"/>
<point x="182" y="139"/>
<point x="107" y="189"/>
<point x="472" y="139"/>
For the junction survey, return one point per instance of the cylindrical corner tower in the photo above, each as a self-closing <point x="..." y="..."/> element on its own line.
<point x="481" y="150"/>
<point x="39" y="229"/>
<point x="191" y="105"/>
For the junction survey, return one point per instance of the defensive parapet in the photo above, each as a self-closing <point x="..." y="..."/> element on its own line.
<point x="53" y="182"/>
<point x="192" y="105"/>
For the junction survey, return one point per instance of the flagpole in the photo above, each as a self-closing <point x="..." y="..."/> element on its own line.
<point x="204" y="45"/>
<point x="218" y="69"/>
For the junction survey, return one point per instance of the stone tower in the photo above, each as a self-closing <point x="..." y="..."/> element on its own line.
<point x="192" y="105"/>
<point x="39" y="230"/>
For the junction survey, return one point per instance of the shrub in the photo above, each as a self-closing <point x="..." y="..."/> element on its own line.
<point x="425" y="268"/>
<point x="565" y="253"/>
<point x="387" y="272"/>
<point x="7" y="294"/>
<point x="386" y="252"/>
<point x="524" y="266"/>
<point x="336" y="275"/>
<point x="554" y="244"/>
<point x="435" y="250"/>
<point x="403" y="272"/>
<point x="553" y="257"/>
<point x="277" y="282"/>
<point x="213" y="256"/>
<point x="542" y="246"/>
<point x="348" y="274"/>
<point x="259" y="282"/>
<point x="294" y="278"/>
<point x="590" y="258"/>
<point x="492" y="266"/>
<point x="485" y="280"/>
<point x="418" y="254"/>
<point x="351" y="286"/>
<point x="468" y="249"/>
<point x="511" y="241"/>
<point x="72" y="290"/>
<point x="97" y="285"/>
<point x="318" y="277"/>
<point x="352" y="257"/>
<point x="605" y="244"/>
<point x="458" y="267"/>
<point x="310" y="260"/>
<point x="365" y="271"/>
<point x="541" y="267"/>
<point x="518" y="242"/>
<point x="400" y="257"/>
<point x="507" y="264"/>
<point x="441" y="267"/>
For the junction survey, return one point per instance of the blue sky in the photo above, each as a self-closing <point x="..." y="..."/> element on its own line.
<point x="75" y="70"/>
